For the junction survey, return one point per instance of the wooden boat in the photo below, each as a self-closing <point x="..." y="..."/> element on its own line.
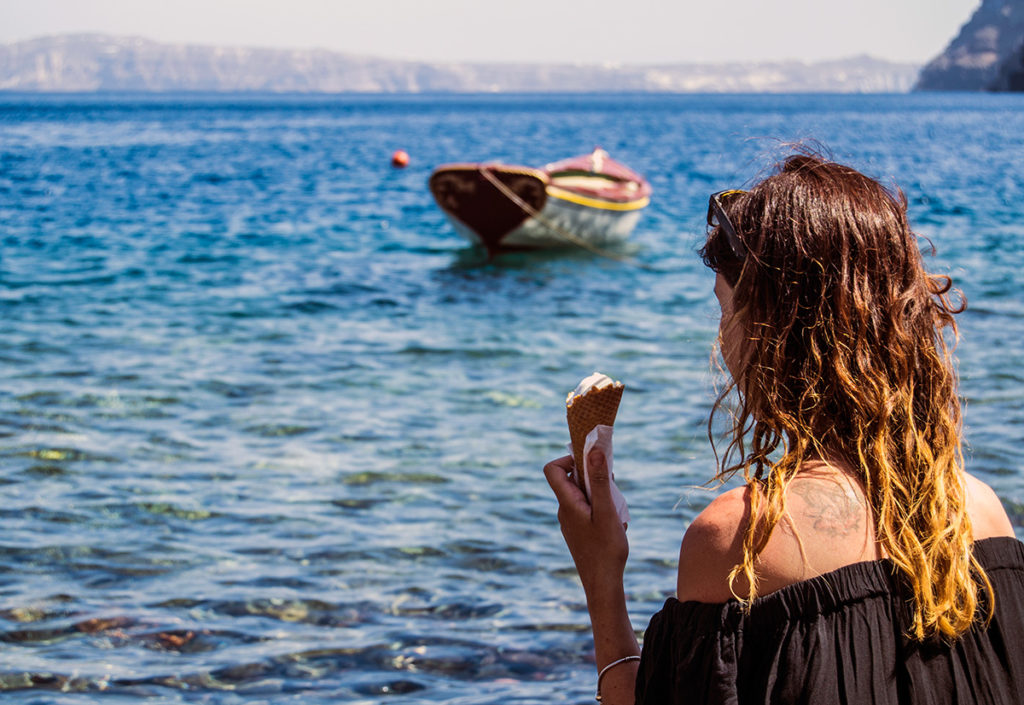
<point x="589" y="201"/>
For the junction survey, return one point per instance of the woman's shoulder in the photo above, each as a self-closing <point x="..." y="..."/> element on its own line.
<point x="826" y="525"/>
<point x="711" y="547"/>
<point x="988" y="516"/>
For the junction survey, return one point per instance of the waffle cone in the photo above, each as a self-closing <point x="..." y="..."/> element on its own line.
<point x="595" y="408"/>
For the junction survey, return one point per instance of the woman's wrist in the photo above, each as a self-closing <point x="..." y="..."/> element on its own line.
<point x="605" y="595"/>
<point x="615" y="645"/>
<point x="617" y="662"/>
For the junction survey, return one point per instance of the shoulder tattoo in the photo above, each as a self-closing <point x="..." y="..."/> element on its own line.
<point x="830" y="507"/>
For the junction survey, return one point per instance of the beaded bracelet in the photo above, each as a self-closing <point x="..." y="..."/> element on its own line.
<point x="607" y="668"/>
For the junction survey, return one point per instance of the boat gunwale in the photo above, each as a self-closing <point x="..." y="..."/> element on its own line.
<point x="494" y="169"/>
<point x="594" y="202"/>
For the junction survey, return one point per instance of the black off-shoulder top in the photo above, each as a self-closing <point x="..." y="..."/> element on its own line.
<point x="837" y="638"/>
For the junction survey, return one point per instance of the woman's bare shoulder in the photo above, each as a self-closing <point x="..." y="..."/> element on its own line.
<point x="988" y="516"/>
<point x="826" y="525"/>
<point x="711" y="546"/>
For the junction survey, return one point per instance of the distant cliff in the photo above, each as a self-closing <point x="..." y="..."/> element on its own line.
<point x="97" y="63"/>
<point x="1011" y="73"/>
<point x="985" y="55"/>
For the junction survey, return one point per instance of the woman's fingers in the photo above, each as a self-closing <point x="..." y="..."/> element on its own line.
<point x="573" y="507"/>
<point x="557" y="474"/>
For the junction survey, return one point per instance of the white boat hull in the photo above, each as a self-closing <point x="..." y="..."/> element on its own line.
<point x="563" y="224"/>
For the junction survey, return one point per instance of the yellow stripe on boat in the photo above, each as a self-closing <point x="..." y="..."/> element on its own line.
<point x="597" y="203"/>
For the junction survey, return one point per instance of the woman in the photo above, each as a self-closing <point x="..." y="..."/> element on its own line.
<point x="859" y="563"/>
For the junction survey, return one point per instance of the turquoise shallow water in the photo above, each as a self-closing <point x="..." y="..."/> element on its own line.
<point x="270" y="432"/>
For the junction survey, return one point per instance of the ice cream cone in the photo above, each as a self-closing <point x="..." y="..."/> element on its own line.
<point x="595" y="407"/>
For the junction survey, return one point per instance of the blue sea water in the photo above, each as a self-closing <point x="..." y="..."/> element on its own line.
<point x="270" y="432"/>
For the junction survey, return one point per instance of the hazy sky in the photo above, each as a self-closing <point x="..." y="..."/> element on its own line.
<point x="593" y="31"/>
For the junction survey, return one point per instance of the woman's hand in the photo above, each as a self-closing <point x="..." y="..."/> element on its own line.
<point x="592" y="530"/>
<point x="597" y="541"/>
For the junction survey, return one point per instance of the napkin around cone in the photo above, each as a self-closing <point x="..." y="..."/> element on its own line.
<point x="597" y="407"/>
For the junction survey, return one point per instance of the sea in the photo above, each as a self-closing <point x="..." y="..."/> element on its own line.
<point x="271" y="432"/>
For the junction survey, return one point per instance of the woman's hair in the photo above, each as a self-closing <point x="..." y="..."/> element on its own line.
<point x="844" y="357"/>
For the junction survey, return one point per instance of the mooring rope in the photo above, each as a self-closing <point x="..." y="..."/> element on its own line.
<point x="555" y="227"/>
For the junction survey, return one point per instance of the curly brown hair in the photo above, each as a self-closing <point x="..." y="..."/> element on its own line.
<point x="845" y="357"/>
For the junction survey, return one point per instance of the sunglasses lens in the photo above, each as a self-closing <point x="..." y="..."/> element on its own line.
<point x="714" y="213"/>
<point x="718" y="218"/>
<point x="716" y="206"/>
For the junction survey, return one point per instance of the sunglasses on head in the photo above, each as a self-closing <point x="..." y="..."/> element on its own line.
<point x="718" y="218"/>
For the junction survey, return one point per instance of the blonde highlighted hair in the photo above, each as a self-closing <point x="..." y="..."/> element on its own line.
<point x="845" y="357"/>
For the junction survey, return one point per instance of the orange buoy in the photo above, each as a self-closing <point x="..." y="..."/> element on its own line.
<point x="400" y="159"/>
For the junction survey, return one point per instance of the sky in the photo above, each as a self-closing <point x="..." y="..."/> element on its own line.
<point x="535" y="31"/>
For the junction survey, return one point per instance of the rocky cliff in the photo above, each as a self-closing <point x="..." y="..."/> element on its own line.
<point x="88" y="63"/>
<point x="975" y="59"/>
<point x="1011" y="73"/>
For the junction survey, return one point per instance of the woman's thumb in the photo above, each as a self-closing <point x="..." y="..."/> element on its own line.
<point x="600" y="481"/>
<point x="597" y="465"/>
